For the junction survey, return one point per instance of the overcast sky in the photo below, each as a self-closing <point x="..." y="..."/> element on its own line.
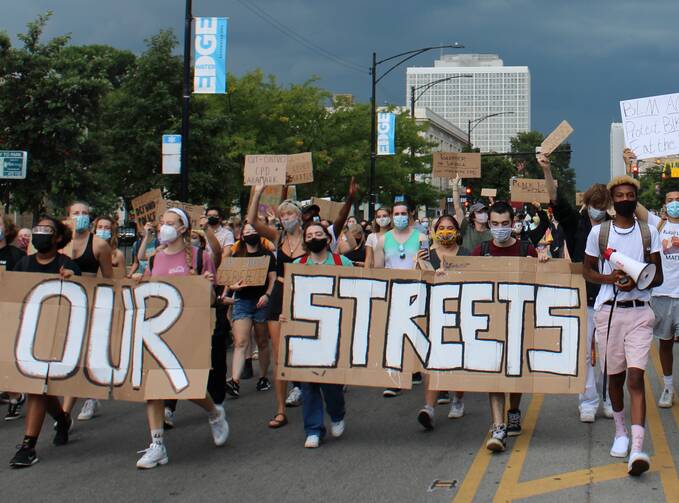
<point x="584" y="56"/>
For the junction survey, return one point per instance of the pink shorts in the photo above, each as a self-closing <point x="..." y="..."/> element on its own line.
<point x="630" y="339"/>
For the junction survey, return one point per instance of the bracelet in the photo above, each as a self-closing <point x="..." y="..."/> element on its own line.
<point x="267" y="294"/>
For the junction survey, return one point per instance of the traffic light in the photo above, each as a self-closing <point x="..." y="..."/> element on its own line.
<point x="635" y="169"/>
<point x="468" y="190"/>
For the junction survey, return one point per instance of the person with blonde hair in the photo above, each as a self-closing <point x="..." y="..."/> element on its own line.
<point x="374" y="243"/>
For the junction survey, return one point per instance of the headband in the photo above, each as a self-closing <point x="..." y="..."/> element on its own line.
<point x="182" y="215"/>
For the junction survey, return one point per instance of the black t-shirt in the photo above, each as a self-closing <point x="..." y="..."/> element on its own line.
<point x="30" y="264"/>
<point x="10" y="257"/>
<point x="255" y="292"/>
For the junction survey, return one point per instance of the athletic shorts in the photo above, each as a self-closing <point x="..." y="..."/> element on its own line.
<point x="666" y="311"/>
<point x="629" y="340"/>
<point x="247" y="309"/>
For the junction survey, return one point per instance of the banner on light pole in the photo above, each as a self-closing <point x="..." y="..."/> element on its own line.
<point x="386" y="132"/>
<point x="209" y="71"/>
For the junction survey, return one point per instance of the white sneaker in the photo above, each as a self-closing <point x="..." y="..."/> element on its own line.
<point x="666" y="399"/>
<point x="219" y="427"/>
<point x="312" y="442"/>
<point x="337" y="429"/>
<point x="638" y="463"/>
<point x="89" y="410"/>
<point x="294" y="398"/>
<point x="168" y="419"/>
<point x="587" y="415"/>
<point x="153" y="456"/>
<point x="608" y="409"/>
<point x="456" y="408"/>
<point x="620" y="447"/>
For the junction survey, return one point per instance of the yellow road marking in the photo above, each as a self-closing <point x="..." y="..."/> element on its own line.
<point x="476" y="472"/>
<point x="655" y="356"/>
<point x="512" y="473"/>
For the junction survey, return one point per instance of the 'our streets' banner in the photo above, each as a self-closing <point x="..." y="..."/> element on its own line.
<point x="386" y="131"/>
<point x="210" y="55"/>
<point x="487" y="324"/>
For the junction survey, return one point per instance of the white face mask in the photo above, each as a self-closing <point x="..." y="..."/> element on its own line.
<point x="289" y="224"/>
<point x="167" y="234"/>
<point x="383" y="221"/>
<point x="482" y="218"/>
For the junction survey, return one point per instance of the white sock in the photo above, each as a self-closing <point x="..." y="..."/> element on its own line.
<point x="668" y="382"/>
<point x="157" y="436"/>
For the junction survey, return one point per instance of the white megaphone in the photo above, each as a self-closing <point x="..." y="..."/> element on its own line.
<point x="641" y="273"/>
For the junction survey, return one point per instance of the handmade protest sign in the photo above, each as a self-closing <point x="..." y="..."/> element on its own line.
<point x="149" y="207"/>
<point x="579" y="199"/>
<point x="487" y="324"/>
<point x="452" y="164"/>
<point x="300" y="168"/>
<point x="252" y="270"/>
<point x="330" y="210"/>
<point x="528" y="190"/>
<point x="105" y="338"/>
<point x="265" y="170"/>
<point x="489" y="192"/>
<point x="556" y="138"/>
<point x="651" y="125"/>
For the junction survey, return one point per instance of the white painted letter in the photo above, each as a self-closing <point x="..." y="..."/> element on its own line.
<point x="478" y="354"/>
<point x="444" y="355"/>
<point x="408" y="300"/>
<point x="517" y="295"/>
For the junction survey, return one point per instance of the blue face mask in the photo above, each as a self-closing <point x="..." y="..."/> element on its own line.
<point x="2" y="234"/>
<point x="104" y="234"/>
<point x="501" y="234"/>
<point x="596" y="214"/>
<point x="82" y="223"/>
<point x="400" y="221"/>
<point x="673" y="209"/>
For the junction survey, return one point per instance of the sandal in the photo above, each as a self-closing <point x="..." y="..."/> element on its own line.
<point x="278" y="423"/>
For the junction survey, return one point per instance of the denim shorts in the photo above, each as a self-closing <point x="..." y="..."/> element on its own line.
<point x="247" y="309"/>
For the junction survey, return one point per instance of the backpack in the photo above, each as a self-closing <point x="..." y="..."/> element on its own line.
<point x="523" y="248"/>
<point x="336" y="258"/>
<point x="199" y="262"/>
<point x="605" y="232"/>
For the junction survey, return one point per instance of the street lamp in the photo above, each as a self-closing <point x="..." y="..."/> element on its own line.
<point x="373" y="108"/>
<point x="478" y="121"/>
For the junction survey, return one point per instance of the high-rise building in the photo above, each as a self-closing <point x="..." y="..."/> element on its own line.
<point x="482" y="86"/>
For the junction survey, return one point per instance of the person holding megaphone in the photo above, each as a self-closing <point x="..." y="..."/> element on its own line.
<point x="624" y="320"/>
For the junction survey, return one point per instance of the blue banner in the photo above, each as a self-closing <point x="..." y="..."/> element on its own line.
<point x="386" y="132"/>
<point x="209" y="75"/>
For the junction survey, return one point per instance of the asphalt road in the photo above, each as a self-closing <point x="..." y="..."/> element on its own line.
<point x="383" y="456"/>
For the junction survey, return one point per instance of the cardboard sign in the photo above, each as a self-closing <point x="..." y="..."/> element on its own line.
<point x="149" y="207"/>
<point x="269" y="200"/>
<point x="330" y="210"/>
<point x="556" y="138"/>
<point x="489" y="192"/>
<point x="579" y="199"/>
<point x="265" y="170"/>
<point x="300" y="168"/>
<point x="252" y="270"/>
<point x="487" y="324"/>
<point x="452" y="164"/>
<point x="105" y="338"/>
<point x="651" y="125"/>
<point x="527" y="190"/>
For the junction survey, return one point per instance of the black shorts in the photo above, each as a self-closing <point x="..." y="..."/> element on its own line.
<point x="275" y="302"/>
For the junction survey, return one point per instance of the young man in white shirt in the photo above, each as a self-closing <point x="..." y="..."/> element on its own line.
<point x="624" y="320"/>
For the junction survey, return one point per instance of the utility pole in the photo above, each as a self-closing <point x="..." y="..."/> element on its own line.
<point x="186" y="106"/>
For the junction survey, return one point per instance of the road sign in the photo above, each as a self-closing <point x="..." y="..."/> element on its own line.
<point x="13" y="164"/>
<point x="172" y="146"/>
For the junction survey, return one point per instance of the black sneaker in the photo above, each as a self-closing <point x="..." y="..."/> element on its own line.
<point x="14" y="408"/>
<point x="417" y="378"/>
<point x="497" y="442"/>
<point x="263" y="384"/>
<point x="61" y="431"/>
<point x="426" y="418"/>
<point x="24" y="457"/>
<point x="247" y="370"/>
<point x="513" y="423"/>
<point x="233" y="388"/>
<point x="443" y="398"/>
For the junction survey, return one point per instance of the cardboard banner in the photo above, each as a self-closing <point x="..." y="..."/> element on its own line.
<point x="556" y="138"/>
<point x="489" y="192"/>
<point x="651" y="125"/>
<point x="98" y="338"/>
<point x="278" y="169"/>
<point x="488" y="324"/>
<point x="150" y="206"/>
<point x="330" y="210"/>
<point x="452" y="164"/>
<point x="527" y="190"/>
<point x="252" y="270"/>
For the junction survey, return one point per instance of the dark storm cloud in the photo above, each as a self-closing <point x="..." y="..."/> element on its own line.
<point x="584" y="56"/>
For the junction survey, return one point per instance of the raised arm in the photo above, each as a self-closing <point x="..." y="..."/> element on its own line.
<point x="459" y="214"/>
<point x="546" y="166"/>
<point x="253" y="217"/>
<point x="341" y="219"/>
<point x="215" y="246"/>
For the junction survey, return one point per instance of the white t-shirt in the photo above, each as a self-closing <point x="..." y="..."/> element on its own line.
<point x="627" y="242"/>
<point x="371" y="240"/>
<point x="333" y="244"/>
<point x="669" y="253"/>
<point x="225" y="238"/>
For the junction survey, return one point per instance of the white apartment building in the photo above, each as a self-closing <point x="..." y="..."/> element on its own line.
<point x="482" y="86"/>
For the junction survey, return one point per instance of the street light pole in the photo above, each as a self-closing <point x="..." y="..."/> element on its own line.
<point x="186" y="106"/>
<point x="478" y="121"/>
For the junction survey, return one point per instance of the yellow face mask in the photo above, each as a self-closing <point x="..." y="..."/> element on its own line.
<point x="446" y="236"/>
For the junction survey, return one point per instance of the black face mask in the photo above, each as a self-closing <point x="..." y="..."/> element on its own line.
<point x="251" y="239"/>
<point x="317" y="245"/>
<point x="212" y="220"/>
<point x="42" y="242"/>
<point x="625" y="208"/>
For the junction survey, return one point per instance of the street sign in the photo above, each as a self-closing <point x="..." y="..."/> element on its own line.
<point x="13" y="164"/>
<point x="172" y="146"/>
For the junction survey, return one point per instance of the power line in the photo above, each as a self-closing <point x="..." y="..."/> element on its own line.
<point x="289" y="32"/>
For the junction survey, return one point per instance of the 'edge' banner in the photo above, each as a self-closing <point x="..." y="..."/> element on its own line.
<point x="209" y="68"/>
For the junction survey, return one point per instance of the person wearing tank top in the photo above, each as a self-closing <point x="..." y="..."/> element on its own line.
<point x="91" y="254"/>
<point x="289" y="247"/>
